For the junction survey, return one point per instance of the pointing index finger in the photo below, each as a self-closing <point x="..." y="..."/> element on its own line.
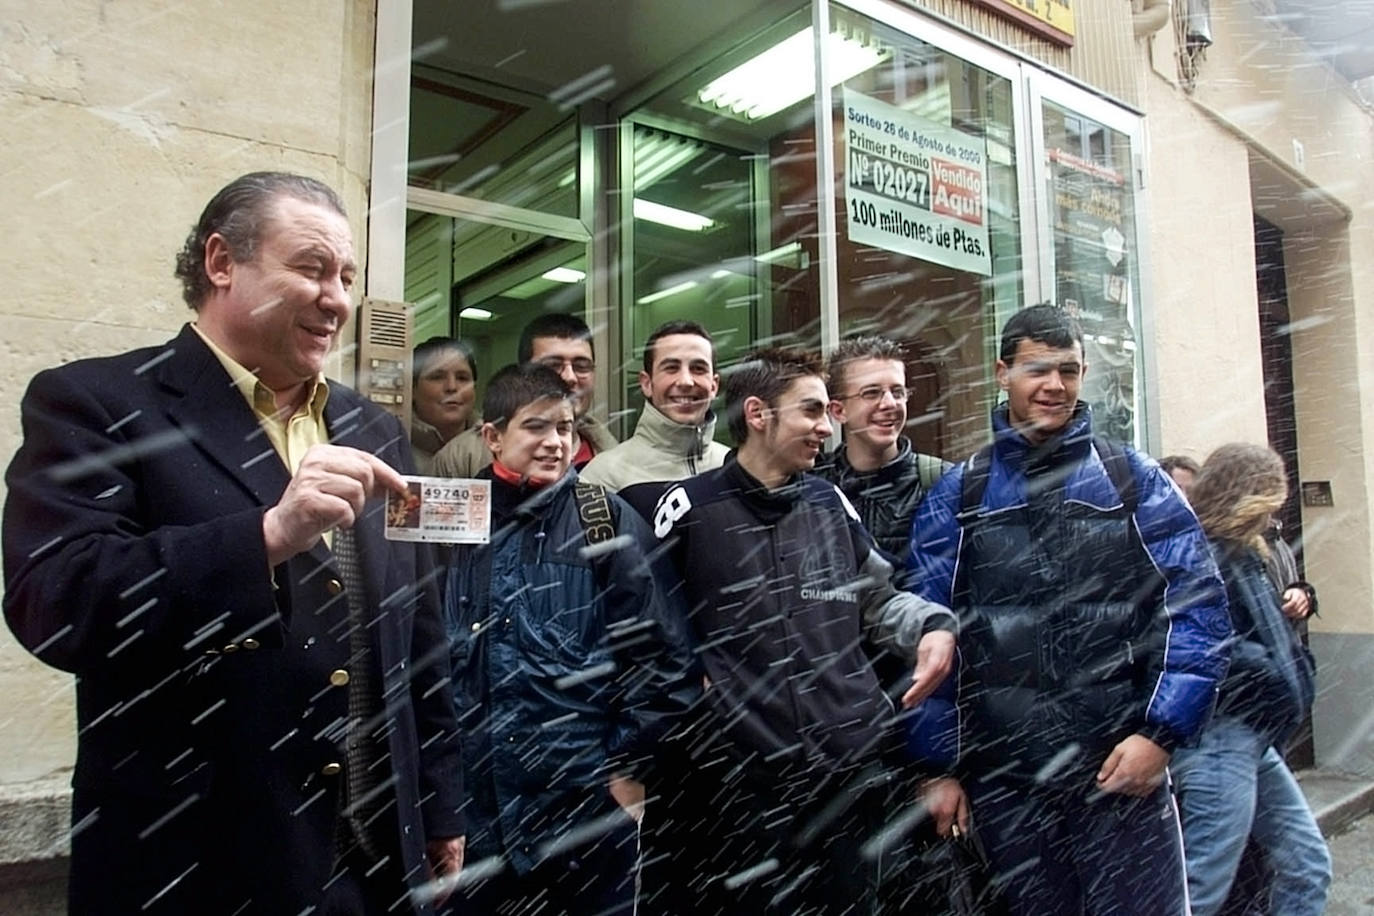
<point x="385" y="477"/>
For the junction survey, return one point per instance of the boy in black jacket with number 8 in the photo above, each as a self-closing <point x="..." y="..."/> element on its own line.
<point x="780" y="787"/>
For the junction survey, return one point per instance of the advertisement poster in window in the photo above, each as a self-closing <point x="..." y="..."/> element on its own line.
<point x="914" y="186"/>
<point x="1093" y="281"/>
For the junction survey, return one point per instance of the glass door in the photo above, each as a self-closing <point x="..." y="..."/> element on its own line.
<point x="1088" y="150"/>
<point x="721" y="226"/>
<point x="495" y="233"/>
<point x="928" y="148"/>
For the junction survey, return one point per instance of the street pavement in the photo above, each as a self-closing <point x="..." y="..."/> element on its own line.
<point x="1352" y="855"/>
<point x="1344" y="806"/>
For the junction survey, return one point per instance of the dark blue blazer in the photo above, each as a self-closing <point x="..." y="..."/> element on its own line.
<point x="207" y="776"/>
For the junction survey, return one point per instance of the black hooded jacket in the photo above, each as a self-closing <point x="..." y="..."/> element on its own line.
<point x="783" y="589"/>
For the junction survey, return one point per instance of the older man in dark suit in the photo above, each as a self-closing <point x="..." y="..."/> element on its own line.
<point x="194" y="531"/>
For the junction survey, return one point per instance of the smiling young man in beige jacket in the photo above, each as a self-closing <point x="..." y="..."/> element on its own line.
<point x="674" y="436"/>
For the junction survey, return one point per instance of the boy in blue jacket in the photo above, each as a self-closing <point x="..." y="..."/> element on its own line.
<point x="1092" y="639"/>
<point x="570" y="660"/>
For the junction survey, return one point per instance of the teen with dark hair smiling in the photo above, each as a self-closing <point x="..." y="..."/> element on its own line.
<point x="570" y="659"/>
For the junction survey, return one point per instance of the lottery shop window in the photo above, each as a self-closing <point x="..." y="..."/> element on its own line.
<point x="928" y="246"/>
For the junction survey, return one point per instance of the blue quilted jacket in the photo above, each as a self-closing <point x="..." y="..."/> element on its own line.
<point x="1080" y="622"/>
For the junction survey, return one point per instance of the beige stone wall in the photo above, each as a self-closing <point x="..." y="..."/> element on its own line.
<point x="1218" y="154"/>
<point x="121" y="120"/>
<point x="1332" y="365"/>
<point x="1209" y="387"/>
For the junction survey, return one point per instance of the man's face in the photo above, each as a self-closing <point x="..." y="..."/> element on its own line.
<point x="445" y="392"/>
<point x="1042" y="385"/>
<point x="571" y="359"/>
<point x="1184" y="478"/>
<point x="537" y="441"/>
<point x="872" y="408"/>
<point x="281" y="312"/>
<point x="798" y="425"/>
<point x="683" y="381"/>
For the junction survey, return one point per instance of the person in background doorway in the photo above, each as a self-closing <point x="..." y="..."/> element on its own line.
<point x="443" y="394"/>
<point x="1299" y="597"/>
<point x="1234" y="784"/>
<point x="1182" y="469"/>
<point x="564" y="344"/>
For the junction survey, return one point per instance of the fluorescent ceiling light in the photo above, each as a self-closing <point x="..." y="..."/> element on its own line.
<point x="665" y="293"/>
<point x="564" y="275"/>
<point x="659" y="155"/>
<point x="671" y="216"/>
<point x="785" y="74"/>
<point x="475" y="314"/>
<point x="778" y="254"/>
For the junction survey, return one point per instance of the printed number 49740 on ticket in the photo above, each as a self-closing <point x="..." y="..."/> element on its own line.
<point x="445" y="510"/>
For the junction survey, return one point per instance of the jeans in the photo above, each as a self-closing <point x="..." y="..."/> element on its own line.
<point x="1233" y="785"/>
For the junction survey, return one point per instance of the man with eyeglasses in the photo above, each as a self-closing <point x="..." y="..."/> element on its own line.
<point x="875" y="466"/>
<point x="564" y="344"/>
<point x="884" y="478"/>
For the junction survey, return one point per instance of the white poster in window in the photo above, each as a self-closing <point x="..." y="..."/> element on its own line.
<point x="915" y="187"/>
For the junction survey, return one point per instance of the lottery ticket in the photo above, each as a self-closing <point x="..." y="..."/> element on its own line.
<point x="446" y="510"/>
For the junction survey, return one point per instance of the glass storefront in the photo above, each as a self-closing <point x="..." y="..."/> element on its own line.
<point x="927" y="244"/>
<point x="683" y="182"/>
<point x="722" y="225"/>
<point x="1096" y="260"/>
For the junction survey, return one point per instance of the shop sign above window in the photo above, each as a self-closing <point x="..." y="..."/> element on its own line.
<point x="1052" y="19"/>
<point x="914" y="186"/>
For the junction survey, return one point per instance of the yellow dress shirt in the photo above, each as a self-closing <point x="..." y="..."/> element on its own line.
<point x="290" y="436"/>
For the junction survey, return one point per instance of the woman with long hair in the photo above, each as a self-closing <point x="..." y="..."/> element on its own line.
<point x="1235" y="783"/>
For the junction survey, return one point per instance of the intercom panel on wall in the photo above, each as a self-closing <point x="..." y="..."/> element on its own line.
<point x="385" y="335"/>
